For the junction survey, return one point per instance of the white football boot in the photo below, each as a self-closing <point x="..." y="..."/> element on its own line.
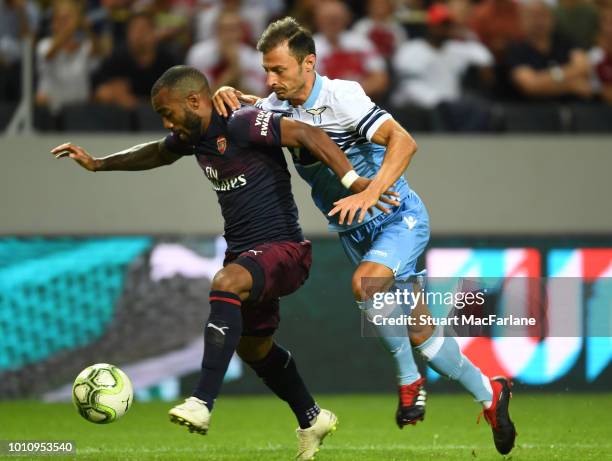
<point x="193" y="413"/>
<point x="309" y="440"/>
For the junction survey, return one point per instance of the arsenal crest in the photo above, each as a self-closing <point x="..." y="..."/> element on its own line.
<point x="221" y="144"/>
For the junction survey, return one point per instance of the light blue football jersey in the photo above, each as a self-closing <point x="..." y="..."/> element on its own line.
<point x="350" y="118"/>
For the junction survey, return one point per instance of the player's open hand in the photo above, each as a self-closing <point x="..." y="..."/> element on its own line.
<point x="229" y="97"/>
<point x="78" y="154"/>
<point x="363" y="202"/>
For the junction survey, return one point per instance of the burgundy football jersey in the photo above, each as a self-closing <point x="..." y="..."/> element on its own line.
<point x="242" y="158"/>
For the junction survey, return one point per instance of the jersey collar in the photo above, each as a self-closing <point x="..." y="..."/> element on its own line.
<point x="216" y="126"/>
<point x="314" y="94"/>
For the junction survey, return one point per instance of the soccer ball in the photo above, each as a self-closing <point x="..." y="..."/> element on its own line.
<point x="102" y="393"/>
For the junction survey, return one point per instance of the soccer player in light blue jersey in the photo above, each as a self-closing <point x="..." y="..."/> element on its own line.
<point x="385" y="243"/>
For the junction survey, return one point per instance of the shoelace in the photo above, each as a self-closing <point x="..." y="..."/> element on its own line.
<point x="194" y="403"/>
<point x="492" y="421"/>
<point x="304" y="441"/>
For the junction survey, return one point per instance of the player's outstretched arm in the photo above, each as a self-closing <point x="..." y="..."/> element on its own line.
<point x="141" y="157"/>
<point x="228" y="97"/>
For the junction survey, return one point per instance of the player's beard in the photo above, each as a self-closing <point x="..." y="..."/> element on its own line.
<point x="193" y="125"/>
<point x="291" y="93"/>
<point x="281" y="93"/>
<point x="288" y="94"/>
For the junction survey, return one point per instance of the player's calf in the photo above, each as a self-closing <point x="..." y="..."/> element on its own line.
<point x="221" y="336"/>
<point x="368" y="280"/>
<point x="222" y="332"/>
<point x="278" y="370"/>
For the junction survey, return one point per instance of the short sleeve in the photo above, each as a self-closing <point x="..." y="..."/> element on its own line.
<point x="249" y="125"/>
<point x="411" y="59"/>
<point x="477" y="54"/>
<point x="355" y="110"/>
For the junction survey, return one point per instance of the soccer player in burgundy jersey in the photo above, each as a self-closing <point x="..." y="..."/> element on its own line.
<point x="267" y="255"/>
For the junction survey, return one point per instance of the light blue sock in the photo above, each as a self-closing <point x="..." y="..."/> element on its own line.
<point x="395" y="340"/>
<point x="445" y="357"/>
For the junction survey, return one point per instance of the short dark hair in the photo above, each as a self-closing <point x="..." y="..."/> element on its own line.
<point x="182" y="78"/>
<point x="299" y="39"/>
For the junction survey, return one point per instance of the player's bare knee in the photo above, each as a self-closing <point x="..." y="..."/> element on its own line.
<point x="363" y="290"/>
<point x="358" y="292"/>
<point x="254" y="348"/>
<point x="233" y="279"/>
<point x="223" y="281"/>
<point x="419" y="334"/>
<point x="370" y="278"/>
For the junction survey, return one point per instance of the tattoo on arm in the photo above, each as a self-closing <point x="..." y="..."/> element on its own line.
<point x="140" y="157"/>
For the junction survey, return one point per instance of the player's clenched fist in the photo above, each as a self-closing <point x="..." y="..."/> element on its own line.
<point x="78" y="154"/>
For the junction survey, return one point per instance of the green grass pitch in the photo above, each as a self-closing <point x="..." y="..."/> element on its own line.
<point x="572" y="427"/>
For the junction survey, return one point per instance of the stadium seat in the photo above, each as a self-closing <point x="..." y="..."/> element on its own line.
<point x="6" y="113"/>
<point x="147" y="119"/>
<point x="95" y="117"/>
<point x="44" y="120"/>
<point x="534" y="117"/>
<point x="592" y="118"/>
<point x="467" y="115"/>
<point x="413" y="118"/>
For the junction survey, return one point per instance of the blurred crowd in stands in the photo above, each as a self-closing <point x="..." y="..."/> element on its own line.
<point x="449" y="64"/>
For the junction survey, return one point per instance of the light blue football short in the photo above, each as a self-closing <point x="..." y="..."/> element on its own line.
<point x="395" y="241"/>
